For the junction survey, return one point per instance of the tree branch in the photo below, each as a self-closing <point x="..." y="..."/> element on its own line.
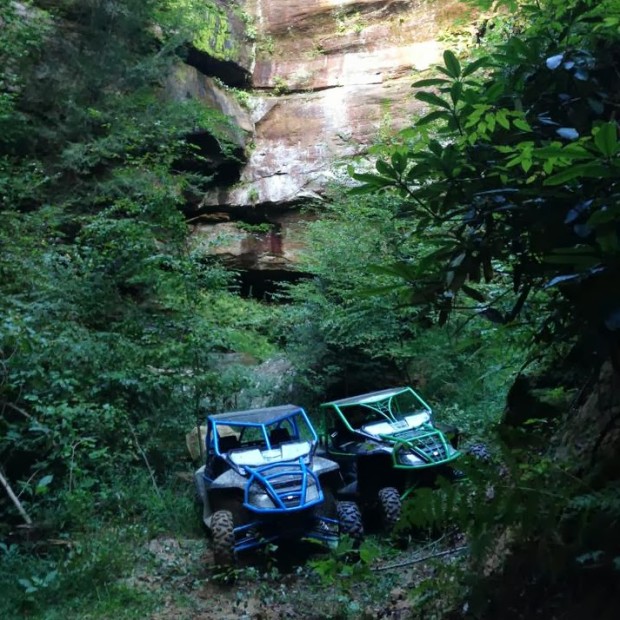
<point x="15" y="500"/>
<point x="17" y="409"/>
<point x="145" y="459"/>
<point x="422" y="559"/>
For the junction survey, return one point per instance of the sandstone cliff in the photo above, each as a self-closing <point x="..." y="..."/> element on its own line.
<point x="326" y="77"/>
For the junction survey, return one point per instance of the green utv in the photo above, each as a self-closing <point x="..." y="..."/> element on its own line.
<point x="386" y="444"/>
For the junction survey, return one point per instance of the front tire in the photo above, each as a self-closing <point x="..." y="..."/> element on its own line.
<point x="223" y="531"/>
<point x="350" y="521"/>
<point x="389" y="500"/>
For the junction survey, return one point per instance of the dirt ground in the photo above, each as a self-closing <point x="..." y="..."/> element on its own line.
<point x="282" y="583"/>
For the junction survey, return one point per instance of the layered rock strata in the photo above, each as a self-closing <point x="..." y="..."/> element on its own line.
<point x="328" y="77"/>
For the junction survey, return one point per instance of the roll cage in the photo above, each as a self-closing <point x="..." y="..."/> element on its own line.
<point x="259" y="437"/>
<point x="393" y="410"/>
<point x="396" y="417"/>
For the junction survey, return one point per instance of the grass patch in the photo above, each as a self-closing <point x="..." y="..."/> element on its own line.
<point x="102" y="568"/>
<point x="117" y="601"/>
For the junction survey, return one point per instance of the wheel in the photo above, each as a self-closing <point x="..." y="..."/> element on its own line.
<point x="222" y="529"/>
<point x="389" y="499"/>
<point x="350" y="521"/>
<point x="480" y="452"/>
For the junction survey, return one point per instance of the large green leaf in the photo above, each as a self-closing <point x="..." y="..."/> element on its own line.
<point x="385" y="169"/>
<point x="473" y="293"/>
<point x="606" y="139"/>
<point x="604" y="215"/>
<point x="433" y="116"/>
<point x="372" y="179"/>
<point x="455" y="92"/>
<point x="452" y="64"/>
<point x="472" y="67"/>
<point x="402" y="270"/>
<point x="590" y="170"/>
<point x="430" y="82"/>
<point x="433" y="99"/>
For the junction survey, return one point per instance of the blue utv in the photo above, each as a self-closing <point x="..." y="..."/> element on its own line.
<point x="263" y="482"/>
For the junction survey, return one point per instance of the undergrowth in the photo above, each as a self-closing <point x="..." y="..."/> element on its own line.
<point x="521" y="513"/>
<point x="83" y="568"/>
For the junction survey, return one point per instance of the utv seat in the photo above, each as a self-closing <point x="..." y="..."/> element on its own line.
<point x="228" y="443"/>
<point x="341" y="437"/>
<point x="279" y="435"/>
<point x="219" y="464"/>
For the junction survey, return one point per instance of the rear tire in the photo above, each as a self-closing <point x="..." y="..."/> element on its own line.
<point x="350" y="521"/>
<point x="223" y="531"/>
<point x="389" y="499"/>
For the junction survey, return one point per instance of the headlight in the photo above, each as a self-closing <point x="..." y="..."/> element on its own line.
<point x="261" y="500"/>
<point x="408" y="458"/>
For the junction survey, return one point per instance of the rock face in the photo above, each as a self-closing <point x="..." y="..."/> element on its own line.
<point x="275" y="249"/>
<point x="186" y="82"/>
<point x="590" y="438"/>
<point x="222" y="48"/>
<point x="329" y="77"/>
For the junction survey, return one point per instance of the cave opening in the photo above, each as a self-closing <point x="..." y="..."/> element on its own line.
<point x="267" y="284"/>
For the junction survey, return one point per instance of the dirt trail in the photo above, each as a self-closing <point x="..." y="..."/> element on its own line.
<point x="277" y="586"/>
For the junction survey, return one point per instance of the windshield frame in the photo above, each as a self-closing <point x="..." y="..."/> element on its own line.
<point x="297" y="421"/>
<point x="387" y="406"/>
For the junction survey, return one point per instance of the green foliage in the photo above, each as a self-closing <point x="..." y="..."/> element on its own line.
<point x="265" y="46"/>
<point x="531" y="511"/>
<point x="115" y="335"/>
<point x="345" y="564"/>
<point x="61" y="581"/>
<point x="347" y="575"/>
<point x="519" y="168"/>
<point x="206" y="24"/>
<point x="88" y="570"/>
<point x="508" y="183"/>
<point x="113" y="330"/>
<point x="280" y="85"/>
<point x="334" y="327"/>
<point x="352" y="326"/>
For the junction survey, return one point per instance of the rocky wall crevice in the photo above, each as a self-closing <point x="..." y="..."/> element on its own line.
<point x="223" y="48"/>
<point x="327" y="78"/>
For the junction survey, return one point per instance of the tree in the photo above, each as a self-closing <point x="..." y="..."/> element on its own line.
<point x="517" y="163"/>
<point x="520" y="171"/>
<point x="109" y="340"/>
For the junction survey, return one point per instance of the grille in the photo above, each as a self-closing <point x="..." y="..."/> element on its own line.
<point x="287" y="483"/>
<point x="284" y="483"/>
<point x="281" y="484"/>
<point x="293" y="501"/>
<point x="428" y="446"/>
